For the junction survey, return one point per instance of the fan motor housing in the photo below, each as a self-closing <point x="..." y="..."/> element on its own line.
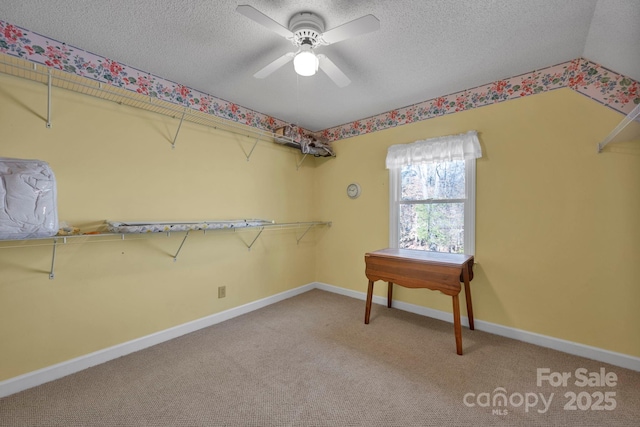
<point x="307" y="28"/>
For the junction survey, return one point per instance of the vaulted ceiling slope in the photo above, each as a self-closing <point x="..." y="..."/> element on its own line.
<point x="423" y="49"/>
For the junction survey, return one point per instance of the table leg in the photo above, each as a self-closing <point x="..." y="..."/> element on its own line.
<point x="367" y="310"/>
<point x="467" y="295"/>
<point x="389" y="294"/>
<point x="456" y="324"/>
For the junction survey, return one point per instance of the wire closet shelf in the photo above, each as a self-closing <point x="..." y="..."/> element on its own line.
<point x="51" y="77"/>
<point x="102" y="237"/>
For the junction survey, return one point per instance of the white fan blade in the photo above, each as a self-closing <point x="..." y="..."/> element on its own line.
<point x="334" y="73"/>
<point x="284" y="59"/>
<point x="262" y="19"/>
<point x="366" y="24"/>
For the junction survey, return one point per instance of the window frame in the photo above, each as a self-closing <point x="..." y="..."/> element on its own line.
<point x="395" y="201"/>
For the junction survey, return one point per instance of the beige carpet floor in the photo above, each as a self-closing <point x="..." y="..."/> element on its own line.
<point x="311" y="361"/>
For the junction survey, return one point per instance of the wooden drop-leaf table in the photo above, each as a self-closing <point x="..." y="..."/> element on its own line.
<point x="421" y="269"/>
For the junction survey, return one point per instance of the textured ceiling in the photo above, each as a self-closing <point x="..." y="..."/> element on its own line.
<point x="423" y="49"/>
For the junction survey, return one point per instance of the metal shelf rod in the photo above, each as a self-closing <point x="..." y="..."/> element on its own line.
<point x="633" y="115"/>
<point x="49" y="100"/>
<point x="53" y="259"/>
<point x="173" y="144"/>
<point x="175" y="257"/>
<point x="303" y="234"/>
<point x="252" y="148"/>
<point x="301" y="161"/>
<point x="255" y="238"/>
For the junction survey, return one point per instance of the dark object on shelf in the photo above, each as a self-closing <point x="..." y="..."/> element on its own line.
<point x="292" y="136"/>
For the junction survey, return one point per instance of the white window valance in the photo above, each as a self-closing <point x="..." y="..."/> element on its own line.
<point x="463" y="146"/>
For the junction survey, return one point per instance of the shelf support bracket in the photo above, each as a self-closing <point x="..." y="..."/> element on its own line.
<point x="300" y="162"/>
<point x="303" y="234"/>
<point x="255" y="238"/>
<point x="53" y="259"/>
<point x="175" y="257"/>
<point x="175" y="138"/>
<point x="252" y="148"/>
<point x="49" y="100"/>
<point x="633" y="115"/>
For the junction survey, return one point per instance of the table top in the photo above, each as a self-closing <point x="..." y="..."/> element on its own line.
<point x="439" y="258"/>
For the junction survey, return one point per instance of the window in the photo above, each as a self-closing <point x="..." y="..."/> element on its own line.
<point x="432" y="194"/>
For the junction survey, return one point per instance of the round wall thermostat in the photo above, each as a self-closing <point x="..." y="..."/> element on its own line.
<point x="353" y="190"/>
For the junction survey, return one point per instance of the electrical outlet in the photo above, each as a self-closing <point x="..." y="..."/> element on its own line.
<point x="222" y="291"/>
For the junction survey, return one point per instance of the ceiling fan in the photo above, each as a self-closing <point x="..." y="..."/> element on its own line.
<point x="306" y="31"/>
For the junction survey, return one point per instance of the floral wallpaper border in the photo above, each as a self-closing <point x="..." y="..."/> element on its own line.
<point x="586" y="77"/>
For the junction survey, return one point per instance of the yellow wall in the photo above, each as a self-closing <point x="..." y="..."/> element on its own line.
<point x="113" y="162"/>
<point x="558" y="225"/>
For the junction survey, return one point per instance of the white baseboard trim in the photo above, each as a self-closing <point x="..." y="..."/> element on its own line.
<point x="577" y="349"/>
<point x="54" y="372"/>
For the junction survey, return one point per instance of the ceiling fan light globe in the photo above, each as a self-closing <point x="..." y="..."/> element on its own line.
<point x="305" y="63"/>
